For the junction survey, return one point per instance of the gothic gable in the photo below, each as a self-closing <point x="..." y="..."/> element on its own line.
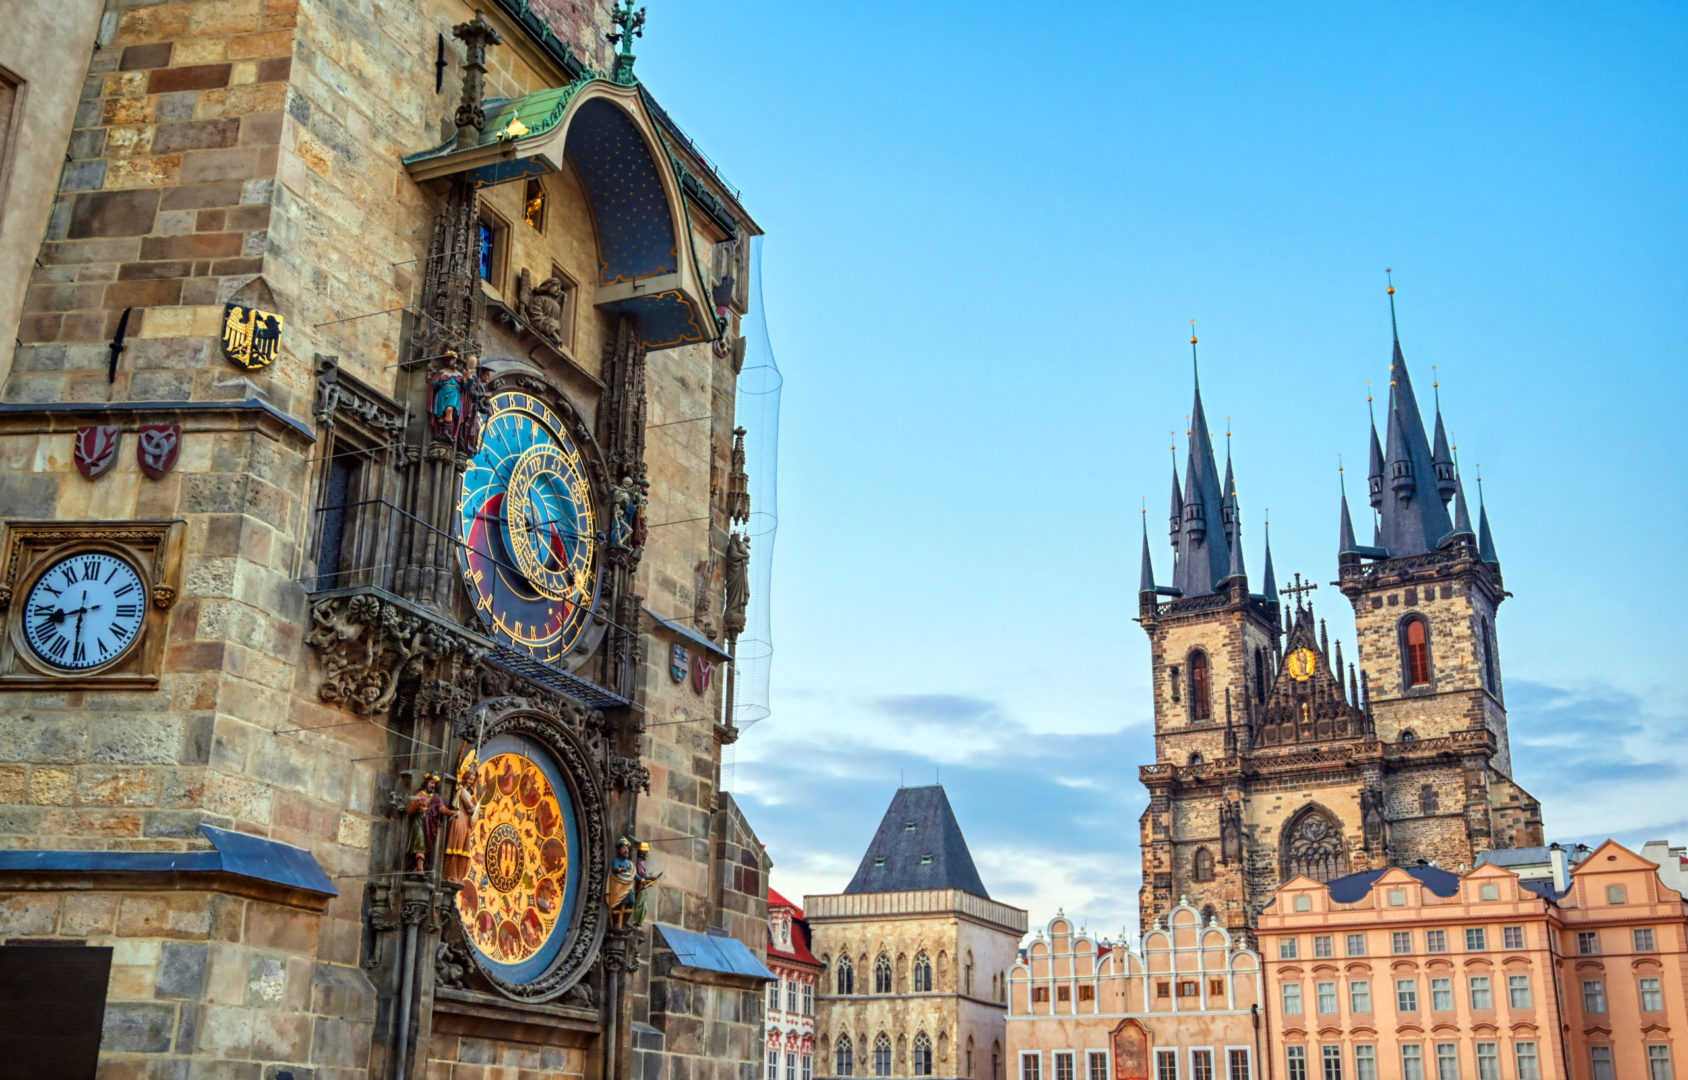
<point x="1307" y="702"/>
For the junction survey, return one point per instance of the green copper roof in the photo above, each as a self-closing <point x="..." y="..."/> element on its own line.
<point x="537" y="113"/>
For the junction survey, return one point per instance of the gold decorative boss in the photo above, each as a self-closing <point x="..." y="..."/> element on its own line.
<point x="250" y="337"/>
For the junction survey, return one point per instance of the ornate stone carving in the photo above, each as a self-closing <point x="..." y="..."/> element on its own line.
<point x="451" y="963"/>
<point x="543" y="305"/>
<point x="1230" y="832"/>
<point x="627" y="774"/>
<point x="738" y="482"/>
<point x="368" y="645"/>
<point x="476" y="35"/>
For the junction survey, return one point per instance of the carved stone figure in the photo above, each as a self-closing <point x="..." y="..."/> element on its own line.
<point x="544" y="304"/>
<point x="1371" y="816"/>
<point x="1230" y="833"/>
<point x="737" y="575"/>
<point x="464" y="805"/>
<point x="619" y="892"/>
<point x="738" y="482"/>
<point x="425" y="809"/>
<point x="477" y="394"/>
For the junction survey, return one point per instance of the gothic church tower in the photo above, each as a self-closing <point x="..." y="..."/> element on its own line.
<point x="1273" y="758"/>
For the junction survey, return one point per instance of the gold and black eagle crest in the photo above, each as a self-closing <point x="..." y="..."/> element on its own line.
<point x="250" y="337"/>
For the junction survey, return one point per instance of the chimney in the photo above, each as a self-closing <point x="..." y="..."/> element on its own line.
<point x="1561" y="873"/>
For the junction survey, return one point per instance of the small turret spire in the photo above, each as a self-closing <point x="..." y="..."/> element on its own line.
<point x="1146" y="579"/>
<point x="1375" y="478"/>
<point x="1269" y="586"/>
<point x="1345" y="544"/>
<point x="1485" y="540"/>
<point x="1440" y="457"/>
<point x="1177" y="495"/>
<point x="1336" y="666"/>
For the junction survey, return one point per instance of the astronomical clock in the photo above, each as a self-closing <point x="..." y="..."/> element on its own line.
<point x="531" y="525"/>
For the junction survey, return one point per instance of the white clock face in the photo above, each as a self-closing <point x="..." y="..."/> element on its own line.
<point x="84" y="611"/>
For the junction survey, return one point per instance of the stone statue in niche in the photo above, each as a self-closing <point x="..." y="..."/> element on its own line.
<point x="476" y="408"/>
<point x="1371" y="813"/>
<point x="737" y="576"/>
<point x="425" y="809"/>
<point x="544" y="305"/>
<point x="1230" y="833"/>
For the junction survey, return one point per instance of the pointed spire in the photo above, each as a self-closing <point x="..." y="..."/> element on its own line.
<point x="1204" y="556"/>
<point x="1441" y="458"/>
<point x="1177" y="496"/>
<point x="1324" y="638"/>
<point x="1353" y="685"/>
<point x="1336" y="666"/>
<point x="1345" y="543"/>
<point x="1374" y="479"/>
<point x="1485" y="540"/>
<point x="1462" y="514"/>
<point x="1146" y="579"/>
<point x="1414" y="510"/>
<point x="1269" y="586"/>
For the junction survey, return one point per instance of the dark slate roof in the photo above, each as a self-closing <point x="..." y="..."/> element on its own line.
<point x="1200" y="565"/>
<point x="932" y="854"/>
<point x="1417" y="524"/>
<point x="1354" y="887"/>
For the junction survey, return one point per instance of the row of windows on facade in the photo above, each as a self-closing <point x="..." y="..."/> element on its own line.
<point x="1187" y="988"/>
<point x="1330" y="1062"/>
<point x="1401" y="943"/>
<point x="879" y="1058"/>
<point x="1481" y="990"/>
<point x="792" y="996"/>
<point x="1203" y="1065"/>
<point x="793" y="1062"/>
<point x="844" y="977"/>
<point x="1415" y="667"/>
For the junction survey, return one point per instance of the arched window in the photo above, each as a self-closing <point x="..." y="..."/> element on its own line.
<point x="922" y="1055"/>
<point x="968" y="1071"/>
<point x="1313" y="846"/>
<point x="1197" y="759"/>
<point x="882" y="1055"/>
<point x="1260" y="676"/>
<point x="1201" y="698"/>
<point x="1204" y="864"/>
<point x="996" y="1060"/>
<point x="922" y="974"/>
<point x="967" y="975"/>
<point x="846" y="976"/>
<point x="845" y="1058"/>
<point x="1208" y="913"/>
<point x="1415" y="651"/>
<point x="882" y="975"/>
<point x="1489" y="679"/>
<point x="1427" y="799"/>
<point x="1408" y="736"/>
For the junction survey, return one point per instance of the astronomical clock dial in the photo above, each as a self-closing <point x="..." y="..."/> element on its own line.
<point x="84" y="611"/>
<point x="530" y="529"/>
<point x="1302" y="663"/>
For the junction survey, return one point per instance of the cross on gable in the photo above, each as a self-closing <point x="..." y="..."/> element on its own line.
<point x="1297" y="589"/>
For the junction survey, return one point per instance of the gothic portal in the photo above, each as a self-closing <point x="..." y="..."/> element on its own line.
<point x="1274" y="758"/>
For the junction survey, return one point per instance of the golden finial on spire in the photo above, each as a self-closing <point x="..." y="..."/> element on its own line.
<point x="1388" y="276"/>
<point x="1192" y="331"/>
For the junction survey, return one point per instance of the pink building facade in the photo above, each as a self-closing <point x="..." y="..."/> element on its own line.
<point x="789" y="1024"/>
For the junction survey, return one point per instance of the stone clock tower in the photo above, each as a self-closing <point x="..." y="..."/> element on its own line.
<point x="1273" y="757"/>
<point x="365" y="555"/>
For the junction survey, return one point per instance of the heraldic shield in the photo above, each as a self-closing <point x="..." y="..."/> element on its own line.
<point x="158" y="447"/>
<point x="250" y="337"/>
<point x="702" y="670"/>
<point x="95" y="449"/>
<point x="678" y="661"/>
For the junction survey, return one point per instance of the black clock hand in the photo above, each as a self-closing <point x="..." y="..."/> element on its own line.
<point x="79" y="617"/>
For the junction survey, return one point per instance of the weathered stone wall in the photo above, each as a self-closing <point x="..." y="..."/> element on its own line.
<point x="199" y="976"/>
<point x="41" y="58"/>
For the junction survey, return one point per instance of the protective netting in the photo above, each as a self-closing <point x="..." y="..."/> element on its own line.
<point x="759" y="414"/>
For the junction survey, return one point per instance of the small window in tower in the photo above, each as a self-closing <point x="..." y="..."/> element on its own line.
<point x="926" y="860"/>
<point x="1204" y="865"/>
<point x="879" y="860"/>
<point x="1415" y="642"/>
<point x="908" y="826"/>
<point x="533" y="204"/>
<point x="1426" y="799"/>
<point x="1201" y="707"/>
<point x="494" y="247"/>
<point x="1260" y="676"/>
<point x="1172" y="671"/>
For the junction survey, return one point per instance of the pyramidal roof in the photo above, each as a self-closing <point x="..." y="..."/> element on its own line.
<point x="918" y="846"/>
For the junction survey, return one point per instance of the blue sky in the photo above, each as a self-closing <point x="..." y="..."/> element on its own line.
<point x="988" y="228"/>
